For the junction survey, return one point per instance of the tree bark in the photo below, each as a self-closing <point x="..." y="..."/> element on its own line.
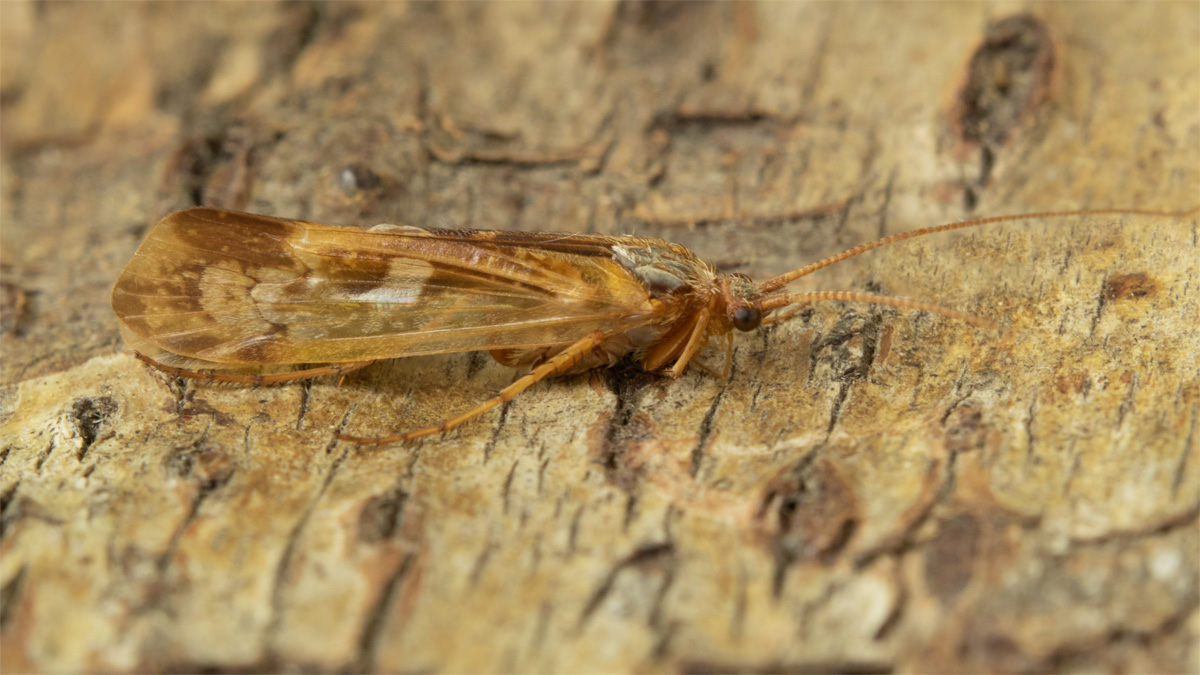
<point x="870" y="490"/>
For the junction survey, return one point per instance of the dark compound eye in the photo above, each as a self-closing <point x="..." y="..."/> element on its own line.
<point x="746" y="317"/>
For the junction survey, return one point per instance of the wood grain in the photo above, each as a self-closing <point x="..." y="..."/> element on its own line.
<point x="870" y="490"/>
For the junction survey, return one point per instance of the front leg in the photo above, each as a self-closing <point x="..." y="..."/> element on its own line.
<point x="699" y="334"/>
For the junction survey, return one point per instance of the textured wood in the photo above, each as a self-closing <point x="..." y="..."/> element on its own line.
<point x="870" y="490"/>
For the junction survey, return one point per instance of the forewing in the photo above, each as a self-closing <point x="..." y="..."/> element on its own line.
<point x="241" y="289"/>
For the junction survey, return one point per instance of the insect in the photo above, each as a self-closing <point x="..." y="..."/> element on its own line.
<point x="215" y="290"/>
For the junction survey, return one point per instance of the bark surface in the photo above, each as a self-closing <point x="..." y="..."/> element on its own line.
<point x="869" y="491"/>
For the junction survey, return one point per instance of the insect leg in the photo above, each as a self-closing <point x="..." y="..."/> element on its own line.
<point x="728" y="356"/>
<point x="274" y="378"/>
<point x="699" y="331"/>
<point x="560" y="363"/>
<point x="700" y="364"/>
<point x="724" y="374"/>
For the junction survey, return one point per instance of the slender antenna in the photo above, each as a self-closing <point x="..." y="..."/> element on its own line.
<point x="785" y="279"/>
<point x="777" y="301"/>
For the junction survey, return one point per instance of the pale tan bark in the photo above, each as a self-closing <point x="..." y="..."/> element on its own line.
<point x="870" y="490"/>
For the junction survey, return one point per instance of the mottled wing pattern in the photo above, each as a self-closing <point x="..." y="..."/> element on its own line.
<point x="240" y="289"/>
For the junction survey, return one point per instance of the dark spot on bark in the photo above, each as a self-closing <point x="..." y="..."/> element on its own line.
<point x="1008" y="77"/>
<point x="816" y="514"/>
<point x="137" y="231"/>
<point x="207" y="467"/>
<point x="230" y="174"/>
<point x="11" y="94"/>
<point x="1075" y="382"/>
<point x="181" y="182"/>
<point x="965" y="430"/>
<point x="950" y="558"/>
<point x="380" y="516"/>
<point x="1129" y="286"/>
<point x="1000" y="650"/>
<point x="651" y="559"/>
<point x="90" y="415"/>
<point x="667" y="34"/>
<point x="195" y="407"/>
<point x="651" y="16"/>
<point x="295" y="31"/>
<point x="629" y="383"/>
<point x="970" y="198"/>
<point x="376" y="620"/>
<point x="213" y="170"/>
<point x="8" y="508"/>
<point x="355" y="178"/>
<point x="14" y="304"/>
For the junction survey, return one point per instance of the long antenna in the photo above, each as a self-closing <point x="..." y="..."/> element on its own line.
<point x="785" y="279"/>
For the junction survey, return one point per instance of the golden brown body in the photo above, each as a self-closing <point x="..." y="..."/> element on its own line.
<point x="219" y="290"/>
